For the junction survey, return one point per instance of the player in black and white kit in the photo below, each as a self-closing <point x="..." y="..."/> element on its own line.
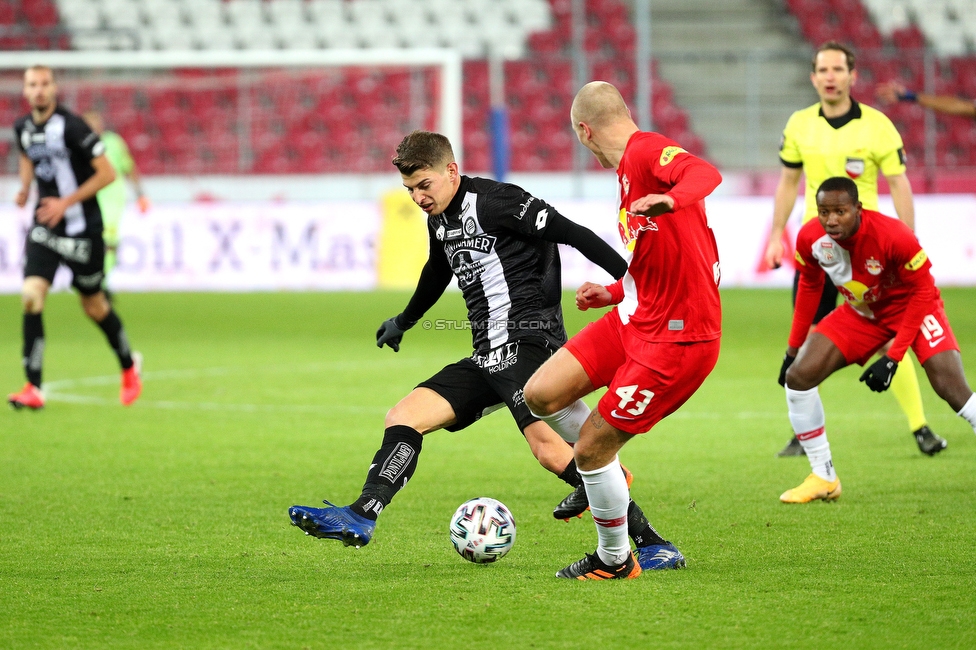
<point x="501" y="244"/>
<point x="60" y="151"/>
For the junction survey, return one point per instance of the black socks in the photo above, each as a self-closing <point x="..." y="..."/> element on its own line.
<point x="392" y="466"/>
<point x="33" y="348"/>
<point x="571" y="475"/>
<point x="112" y="327"/>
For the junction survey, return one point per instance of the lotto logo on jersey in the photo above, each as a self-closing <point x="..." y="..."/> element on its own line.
<point x="631" y="225"/>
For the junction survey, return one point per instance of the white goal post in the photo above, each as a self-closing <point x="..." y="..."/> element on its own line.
<point x="446" y="61"/>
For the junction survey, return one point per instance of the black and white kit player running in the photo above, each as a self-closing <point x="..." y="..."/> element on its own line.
<point x="67" y="160"/>
<point x="500" y="242"/>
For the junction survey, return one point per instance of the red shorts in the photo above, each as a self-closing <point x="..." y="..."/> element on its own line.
<point x="647" y="381"/>
<point x="858" y="338"/>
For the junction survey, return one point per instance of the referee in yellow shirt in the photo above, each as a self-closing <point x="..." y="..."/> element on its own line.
<point x="840" y="137"/>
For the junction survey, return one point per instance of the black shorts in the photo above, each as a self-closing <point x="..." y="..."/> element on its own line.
<point x="85" y="256"/>
<point x="481" y="383"/>
<point x="828" y="297"/>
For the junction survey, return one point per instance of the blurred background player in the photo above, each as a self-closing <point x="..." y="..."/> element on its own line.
<point x="893" y="91"/>
<point x="884" y="275"/>
<point x="67" y="159"/>
<point x="840" y="137"/>
<point x="113" y="197"/>
<point x="500" y="243"/>
<point x="655" y="349"/>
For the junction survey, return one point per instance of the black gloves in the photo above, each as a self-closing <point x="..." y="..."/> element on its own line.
<point x="391" y="332"/>
<point x="878" y="375"/>
<point x="787" y="362"/>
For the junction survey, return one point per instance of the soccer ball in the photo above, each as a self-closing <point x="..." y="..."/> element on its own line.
<point x="482" y="530"/>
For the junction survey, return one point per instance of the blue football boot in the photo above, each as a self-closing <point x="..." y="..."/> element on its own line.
<point x="334" y="522"/>
<point x="660" y="556"/>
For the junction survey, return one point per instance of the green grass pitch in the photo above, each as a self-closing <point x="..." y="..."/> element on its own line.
<point x="165" y="525"/>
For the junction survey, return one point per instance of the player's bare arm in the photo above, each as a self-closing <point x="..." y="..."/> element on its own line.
<point x="652" y="205"/>
<point x="51" y="209"/>
<point x="26" y="172"/>
<point x="901" y="196"/>
<point x="783" y="202"/>
<point x="592" y="296"/>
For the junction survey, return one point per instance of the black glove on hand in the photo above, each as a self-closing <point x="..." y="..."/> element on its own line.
<point x="391" y="332"/>
<point x="787" y="362"/>
<point x="878" y="375"/>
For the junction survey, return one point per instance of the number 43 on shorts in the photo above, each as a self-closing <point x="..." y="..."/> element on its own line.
<point x="626" y="395"/>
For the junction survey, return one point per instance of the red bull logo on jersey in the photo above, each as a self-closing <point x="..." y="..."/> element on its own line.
<point x="873" y="266"/>
<point x="854" y="167"/>
<point x="860" y="295"/>
<point x="631" y="225"/>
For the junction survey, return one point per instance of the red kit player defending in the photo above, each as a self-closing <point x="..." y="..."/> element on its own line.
<point x="659" y="344"/>
<point x="881" y="270"/>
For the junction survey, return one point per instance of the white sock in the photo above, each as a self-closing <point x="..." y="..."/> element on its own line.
<point x="568" y="422"/>
<point x="606" y="489"/>
<point x="807" y="418"/>
<point x="968" y="411"/>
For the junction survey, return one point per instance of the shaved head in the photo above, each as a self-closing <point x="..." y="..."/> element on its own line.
<point x="599" y="104"/>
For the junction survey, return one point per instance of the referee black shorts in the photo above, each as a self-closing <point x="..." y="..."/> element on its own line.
<point x="85" y="256"/>
<point x="482" y="383"/>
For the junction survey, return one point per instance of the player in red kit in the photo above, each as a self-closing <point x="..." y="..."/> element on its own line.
<point x="661" y="341"/>
<point x="883" y="273"/>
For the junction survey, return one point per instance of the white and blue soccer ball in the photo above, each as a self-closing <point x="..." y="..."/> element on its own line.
<point x="483" y="530"/>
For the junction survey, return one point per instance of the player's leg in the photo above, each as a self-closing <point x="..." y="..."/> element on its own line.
<point x="33" y="296"/>
<point x="904" y="385"/>
<point x="828" y="302"/>
<point x="938" y="351"/>
<point x="640" y="395"/>
<point x="842" y="338"/>
<point x="609" y="498"/>
<point x="453" y="399"/>
<point x="948" y="379"/>
<point x="557" y="385"/>
<point x="88" y="278"/>
<point x="40" y="265"/>
<point x="817" y="359"/>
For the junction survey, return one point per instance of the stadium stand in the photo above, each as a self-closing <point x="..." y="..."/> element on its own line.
<point x="891" y="37"/>
<point x="337" y="121"/>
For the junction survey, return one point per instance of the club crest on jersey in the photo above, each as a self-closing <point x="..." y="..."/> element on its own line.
<point x="439" y="233"/>
<point x="873" y="266"/>
<point x="470" y="227"/>
<point x="826" y="252"/>
<point x="625" y="183"/>
<point x="854" y="167"/>
<point x="669" y="153"/>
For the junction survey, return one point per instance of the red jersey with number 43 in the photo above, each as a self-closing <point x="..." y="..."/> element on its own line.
<point x="881" y="271"/>
<point x="670" y="291"/>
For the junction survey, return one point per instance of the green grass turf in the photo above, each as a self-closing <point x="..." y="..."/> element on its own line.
<point x="165" y="524"/>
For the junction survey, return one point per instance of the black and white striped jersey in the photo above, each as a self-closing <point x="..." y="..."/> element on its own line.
<point x="501" y="244"/>
<point x="61" y="150"/>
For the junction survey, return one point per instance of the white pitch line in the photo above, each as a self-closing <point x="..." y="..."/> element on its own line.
<point x="57" y="391"/>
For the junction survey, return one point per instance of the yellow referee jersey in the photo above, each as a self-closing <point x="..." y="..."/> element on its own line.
<point x="857" y="145"/>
